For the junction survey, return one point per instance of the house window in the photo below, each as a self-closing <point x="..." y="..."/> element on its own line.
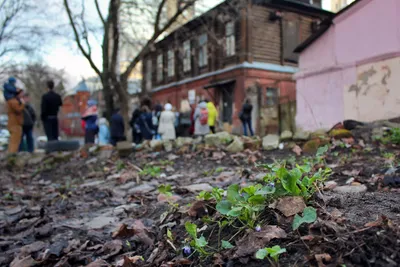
<point x="272" y="96"/>
<point x="230" y="38"/>
<point x="186" y="56"/>
<point x="291" y="39"/>
<point x="203" y="58"/>
<point x="148" y="74"/>
<point x="159" y="67"/>
<point x="171" y="63"/>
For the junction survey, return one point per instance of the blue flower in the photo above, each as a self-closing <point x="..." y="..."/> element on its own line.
<point x="271" y="184"/>
<point x="187" y="250"/>
<point x="258" y="228"/>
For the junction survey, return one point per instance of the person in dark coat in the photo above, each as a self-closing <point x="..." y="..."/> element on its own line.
<point x="51" y="103"/>
<point x="245" y="117"/>
<point x="27" y="126"/>
<point x="136" y="134"/>
<point x="117" y="128"/>
<point x="145" y="123"/>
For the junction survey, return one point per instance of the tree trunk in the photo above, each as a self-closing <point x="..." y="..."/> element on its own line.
<point x="121" y="87"/>
<point x="108" y="96"/>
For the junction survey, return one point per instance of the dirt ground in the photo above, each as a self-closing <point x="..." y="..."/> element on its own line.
<point x="69" y="210"/>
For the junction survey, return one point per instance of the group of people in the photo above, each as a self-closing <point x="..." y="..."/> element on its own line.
<point x="164" y="122"/>
<point x="22" y="116"/>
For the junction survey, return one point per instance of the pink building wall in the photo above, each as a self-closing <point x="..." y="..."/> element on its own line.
<point x="367" y="32"/>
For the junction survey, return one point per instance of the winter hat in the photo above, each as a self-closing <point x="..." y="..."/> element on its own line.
<point x="168" y="107"/>
<point x="91" y="103"/>
<point x="12" y="80"/>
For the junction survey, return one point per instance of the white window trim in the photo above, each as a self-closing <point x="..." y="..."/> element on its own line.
<point x="203" y="49"/>
<point x="148" y="74"/>
<point x="187" y="56"/>
<point x="230" y="39"/>
<point x="171" y="63"/>
<point x="160" y="68"/>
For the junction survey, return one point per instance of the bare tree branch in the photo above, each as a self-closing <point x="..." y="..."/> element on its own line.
<point x="96" y="2"/>
<point x="78" y="41"/>
<point x="158" y="16"/>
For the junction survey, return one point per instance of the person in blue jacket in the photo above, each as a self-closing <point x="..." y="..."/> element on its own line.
<point x="117" y="128"/>
<point x="104" y="132"/>
<point x="145" y="123"/>
<point x="9" y="89"/>
<point x="90" y="117"/>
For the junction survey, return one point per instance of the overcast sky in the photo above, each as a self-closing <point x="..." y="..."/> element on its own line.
<point x="63" y="54"/>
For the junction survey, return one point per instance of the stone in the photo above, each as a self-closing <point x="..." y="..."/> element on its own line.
<point x="181" y="141"/>
<point x="330" y="185"/>
<point x="218" y="139"/>
<point x="251" y="143"/>
<point x="156" y="145"/>
<point x="340" y="133"/>
<point x="105" y="152"/>
<point x="92" y="183"/>
<point x="127" y="186"/>
<point x="286" y="135"/>
<point x="36" y="158"/>
<point x="165" y="198"/>
<point x="124" y="148"/>
<point x="168" y="146"/>
<point x="195" y="188"/>
<point x="236" y="146"/>
<point x="270" y="142"/>
<point x="290" y="206"/>
<point x="144" y="188"/>
<point x="312" y="146"/>
<point x="99" y="222"/>
<point x="346" y="189"/>
<point x="301" y="135"/>
<point x="175" y="176"/>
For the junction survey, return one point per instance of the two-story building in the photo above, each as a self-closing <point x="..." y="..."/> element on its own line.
<point x="241" y="49"/>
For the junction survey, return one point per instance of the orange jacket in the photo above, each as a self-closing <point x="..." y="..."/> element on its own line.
<point x="15" y="111"/>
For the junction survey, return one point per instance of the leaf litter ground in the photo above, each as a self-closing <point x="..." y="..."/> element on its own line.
<point x="74" y="211"/>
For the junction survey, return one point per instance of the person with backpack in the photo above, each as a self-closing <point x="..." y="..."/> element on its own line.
<point x="156" y="118"/>
<point x="27" y="126"/>
<point x="90" y="117"/>
<point x="201" y="126"/>
<point x="166" y="127"/>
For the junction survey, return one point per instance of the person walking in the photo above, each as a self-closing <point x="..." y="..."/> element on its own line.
<point x="104" y="131"/>
<point x="90" y="117"/>
<point x="212" y="115"/>
<point x="15" y="108"/>
<point x="27" y="126"/>
<point x="166" y="127"/>
<point x="51" y="103"/>
<point x="245" y="117"/>
<point x="185" y="121"/>
<point x="136" y="134"/>
<point x="201" y="127"/>
<point x="145" y="123"/>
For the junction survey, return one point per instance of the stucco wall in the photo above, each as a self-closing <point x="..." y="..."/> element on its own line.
<point x="352" y="56"/>
<point x="375" y="94"/>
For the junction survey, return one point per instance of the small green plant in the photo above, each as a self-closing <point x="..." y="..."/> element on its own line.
<point x="198" y="244"/>
<point x="219" y="170"/>
<point x="120" y="165"/>
<point x="165" y="189"/>
<point x="395" y="136"/>
<point x="153" y="171"/>
<point x="216" y="193"/>
<point x="226" y="245"/>
<point x="272" y="252"/>
<point x="309" y="216"/>
<point x="388" y="155"/>
<point x="166" y="162"/>
<point x="169" y="235"/>
<point x="245" y="204"/>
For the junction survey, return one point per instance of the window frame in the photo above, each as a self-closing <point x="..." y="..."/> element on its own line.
<point x="149" y="74"/>
<point x="170" y="63"/>
<point x="187" y="62"/>
<point x="230" y="45"/>
<point x="203" y="50"/>
<point x="160" y="67"/>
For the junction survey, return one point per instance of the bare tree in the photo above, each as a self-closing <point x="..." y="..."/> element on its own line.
<point x="148" y="12"/>
<point x="20" y="30"/>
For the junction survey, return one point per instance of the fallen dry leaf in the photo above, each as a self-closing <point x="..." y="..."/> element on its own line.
<point x="254" y="241"/>
<point x="123" y="231"/>
<point x="307" y="238"/>
<point x="198" y="209"/>
<point x="129" y="261"/>
<point x="290" y="206"/>
<point x="296" y="149"/>
<point x="27" y="261"/>
<point x="351" y="173"/>
<point x="320" y="258"/>
<point x="177" y="262"/>
<point x="98" y="263"/>
<point x="349" y="141"/>
<point x="217" y="155"/>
